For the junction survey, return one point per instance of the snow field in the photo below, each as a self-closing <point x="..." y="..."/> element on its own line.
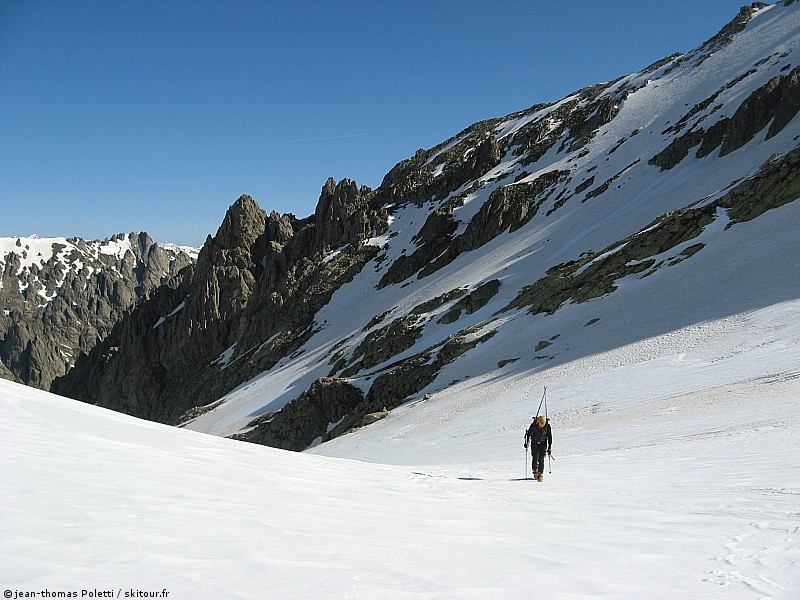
<point x="675" y="475"/>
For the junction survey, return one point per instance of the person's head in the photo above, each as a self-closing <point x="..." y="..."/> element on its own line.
<point x="541" y="421"/>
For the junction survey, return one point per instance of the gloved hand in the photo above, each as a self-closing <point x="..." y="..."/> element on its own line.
<point x="548" y="453"/>
<point x="526" y="446"/>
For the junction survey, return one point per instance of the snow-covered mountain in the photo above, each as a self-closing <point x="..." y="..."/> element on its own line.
<point x="60" y="296"/>
<point x="627" y="210"/>
<point x="633" y="247"/>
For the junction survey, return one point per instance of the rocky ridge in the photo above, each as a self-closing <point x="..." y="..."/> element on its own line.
<point x="249" y="302"/>
<point x="61" y="296"/>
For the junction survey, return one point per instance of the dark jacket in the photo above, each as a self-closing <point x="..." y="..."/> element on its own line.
<point x="539" y="435"/>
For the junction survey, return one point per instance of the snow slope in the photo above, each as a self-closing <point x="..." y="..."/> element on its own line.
<point x="676" y="475"/>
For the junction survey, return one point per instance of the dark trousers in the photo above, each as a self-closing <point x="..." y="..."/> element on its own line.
<point x="537" y="457"/>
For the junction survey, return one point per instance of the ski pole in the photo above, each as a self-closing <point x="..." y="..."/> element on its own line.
<point x="526" y="462"/>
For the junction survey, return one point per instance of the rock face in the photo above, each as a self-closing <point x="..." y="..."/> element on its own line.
<point x="291" y="331"/>
<point x="308" y="418"/>
<point x="249" y="302"/>
<point x="59" y="297"/>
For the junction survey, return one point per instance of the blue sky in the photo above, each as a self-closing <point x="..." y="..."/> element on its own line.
<point x="155" y="116"/>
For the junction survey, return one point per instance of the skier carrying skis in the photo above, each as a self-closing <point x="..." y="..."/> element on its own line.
<point x="540" y="437"/>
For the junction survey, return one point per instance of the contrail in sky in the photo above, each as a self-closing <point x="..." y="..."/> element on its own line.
<point x="297" y="141"/>
<point x="272" y="143"/>
<point x="316" y="139"/>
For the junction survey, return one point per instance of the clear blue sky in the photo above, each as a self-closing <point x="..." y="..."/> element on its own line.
<point x="156" y="115"/>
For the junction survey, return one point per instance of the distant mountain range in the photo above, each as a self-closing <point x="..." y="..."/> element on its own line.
<point x="538" y="237"/>
<point x="60" y="296"/>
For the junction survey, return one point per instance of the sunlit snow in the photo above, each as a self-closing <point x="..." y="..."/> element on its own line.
<point x="675" y="475"/>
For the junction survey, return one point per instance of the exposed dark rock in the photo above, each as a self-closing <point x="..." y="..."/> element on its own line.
<point x="467" y="156"/>
<point x="777" y="183"/>
<point x="508" y="361"/>
<point x="603" y="113"/>
<point x="677" y="150"/>
<point x="511" y="207"/>
<point x="432" y="305"/>
<point x="774" y="104"/>
<point x="533" y="139"/>
<point x="585" y="185"/>
<point x="408" y="377"/>
<point x="384" y="343"/>
<point x="434" y="238"/>
<point x="508" y="208"/>
<point x="602" y="188"/>
<point x="343" y="215"/>
<point x="594" y="275"/>
<point x="331" y="407"/>
<point x="703" y="105"/>
<point x="726" y="34"/>
<point x="473" y="302"/>
<point x="306" y="418"/>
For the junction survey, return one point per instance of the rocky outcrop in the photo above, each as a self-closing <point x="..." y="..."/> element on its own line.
<point x="332" y="407"/>
<point x="384" y="343"/>
<point x="774" y="104"/>
<point x="402" y="380"/>
<point x="310" y="417"/>
<point x="434" y="238"/>
<point x="777" y="183"/>
<point x="737" y="25"/>
<point x="509" y="207"/>
<point x="344" y="215"/>
<point x="595" y="274"/>
<point x="436" y="173"/>
<point x="574" y="121"/>
<point x="60" y="297"/>
<point x="472" y="302"/>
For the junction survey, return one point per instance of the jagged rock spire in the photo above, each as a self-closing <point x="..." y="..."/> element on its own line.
<point x="244" y="222"/>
